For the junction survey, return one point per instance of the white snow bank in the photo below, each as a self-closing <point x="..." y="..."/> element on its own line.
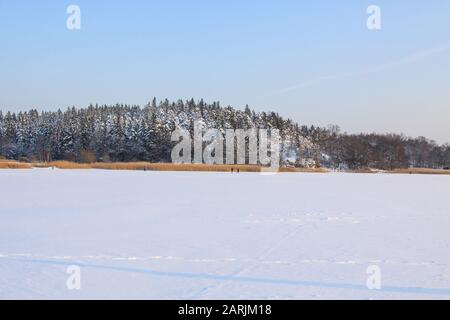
<point x="161" y="235"/>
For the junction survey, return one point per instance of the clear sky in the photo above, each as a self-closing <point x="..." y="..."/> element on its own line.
<point x="313" y="61"/>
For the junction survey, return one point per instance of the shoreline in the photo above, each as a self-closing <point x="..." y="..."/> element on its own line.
<point x="148" y="166"/>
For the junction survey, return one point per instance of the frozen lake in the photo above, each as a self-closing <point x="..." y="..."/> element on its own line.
<point x="172" y="235"/>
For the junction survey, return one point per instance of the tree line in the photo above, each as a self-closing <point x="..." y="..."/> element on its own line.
<point x="130" y="133"/>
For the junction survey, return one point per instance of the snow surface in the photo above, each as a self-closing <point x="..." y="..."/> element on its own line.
<point x="167" y="235"/>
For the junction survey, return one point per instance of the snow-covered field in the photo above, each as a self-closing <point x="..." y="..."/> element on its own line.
<point x="162" y="235"/>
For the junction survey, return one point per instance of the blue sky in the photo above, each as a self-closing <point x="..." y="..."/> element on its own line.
<point x="314" y="61"/>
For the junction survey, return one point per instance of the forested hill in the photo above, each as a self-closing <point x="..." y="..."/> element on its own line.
<point x="132" y="133"/>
